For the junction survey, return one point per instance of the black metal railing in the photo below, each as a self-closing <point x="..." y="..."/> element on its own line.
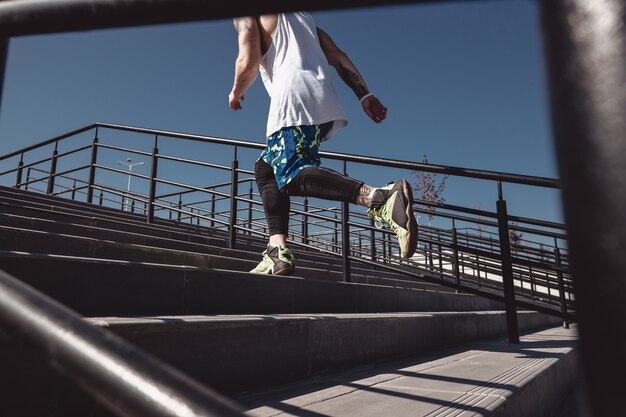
<point x="470" y="249"/>
<point x="128" y="380"/>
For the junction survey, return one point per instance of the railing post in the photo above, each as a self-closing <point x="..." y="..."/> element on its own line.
<point x="92" y="169"/>
<point x="180" y="205"/>
<point x="53" y="168"/>
<point x="101" y="197"/>
<point x="559" y="275"/>
<point x="507" y="268"/>
<point x="250" y="192"/>
<point x="20" y="167"/>
<point x="372" y="241"/>
<point x="305" y="222"/>
<point x="345" y="234"/>
<point x="336" y="233"/>
<point x="345" y="240"/>
<point x="132" y="206"/>
<point x="213" y="208"/>
<point x="153" y="176"/>
<point x="4" y="51"/>
<point x="383" y="240"/>
<point x="455" y="260"/>
<point x="27" y="178"/>
<point x="234" y="175"/>
<point x="74" y="190"/>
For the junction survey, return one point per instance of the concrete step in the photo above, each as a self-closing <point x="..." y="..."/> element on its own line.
<point x="67" y="211"/>
<point x="76" y="217"/>
<point x="217" y="350"/>
<point x="234" y="354"/>
<point x="107" y="287"/>
<point x="55" y="205"/>
<point x="59" y="204"/>
<point x="65" y="204"/>
<point x="487" y="378"/>
<point x="28" y="234"/>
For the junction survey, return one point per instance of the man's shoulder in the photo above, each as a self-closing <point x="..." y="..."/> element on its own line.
<point x="268" y="23"/>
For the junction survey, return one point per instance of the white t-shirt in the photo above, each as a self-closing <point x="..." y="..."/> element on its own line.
<point x="298" y="78"/>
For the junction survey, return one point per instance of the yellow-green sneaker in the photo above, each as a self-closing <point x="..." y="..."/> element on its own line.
<point x="276" y="261"/>
<point x="393" y="205"/>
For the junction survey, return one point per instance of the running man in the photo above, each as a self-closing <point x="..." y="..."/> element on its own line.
<point x="294" y="58"/>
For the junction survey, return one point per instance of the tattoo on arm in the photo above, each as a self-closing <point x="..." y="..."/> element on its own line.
<point x="363" y="199"/>
<point x="241" y="24"/>
<point x="353" y="80"/>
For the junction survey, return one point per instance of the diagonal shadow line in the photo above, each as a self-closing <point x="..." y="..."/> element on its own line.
<point x="304" y="412"/>
<point x="413" y="397"/>
<point x="451" y="379"/>
<point x="295" y="410"/>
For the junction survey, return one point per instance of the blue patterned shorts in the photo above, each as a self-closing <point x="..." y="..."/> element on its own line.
<point x="291" y="149"/>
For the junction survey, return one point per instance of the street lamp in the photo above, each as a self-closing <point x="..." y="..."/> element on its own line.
<point x="130" y="166"/>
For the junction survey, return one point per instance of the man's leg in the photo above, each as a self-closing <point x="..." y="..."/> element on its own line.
<point x="277" y="259"/>
<point x="392" y="204"/>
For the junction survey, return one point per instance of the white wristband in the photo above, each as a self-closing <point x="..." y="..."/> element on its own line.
<point x="365" y="96"/>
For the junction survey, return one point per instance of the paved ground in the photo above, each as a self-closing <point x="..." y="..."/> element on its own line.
<point x="474" y="380"/>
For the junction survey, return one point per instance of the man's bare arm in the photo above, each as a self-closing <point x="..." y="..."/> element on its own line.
<point x="248" y="59"/>
<point x="344" y="66"/>
<point x="352" y="77"/>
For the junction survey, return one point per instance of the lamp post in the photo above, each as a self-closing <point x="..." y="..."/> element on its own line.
<point x="130" y="166"/>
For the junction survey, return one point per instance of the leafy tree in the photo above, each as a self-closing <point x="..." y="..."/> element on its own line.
<point x="514" y="236"/>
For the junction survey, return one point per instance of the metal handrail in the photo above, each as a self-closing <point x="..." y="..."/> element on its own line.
<point x="415" y="166"/>
<point x="128" y="380"/>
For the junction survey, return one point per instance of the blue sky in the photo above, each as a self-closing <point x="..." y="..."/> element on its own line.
<point x="464" y="83"/>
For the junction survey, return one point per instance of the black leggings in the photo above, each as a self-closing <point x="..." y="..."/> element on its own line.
<point x="315" y="182"/>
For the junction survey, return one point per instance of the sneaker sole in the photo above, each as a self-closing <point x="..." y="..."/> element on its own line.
<point x="285" y="271"/>
<point x="411" y="225"/>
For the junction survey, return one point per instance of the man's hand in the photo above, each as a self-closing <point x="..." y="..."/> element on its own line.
<point x="233" y="101"/>
<point x="374" y="109"/>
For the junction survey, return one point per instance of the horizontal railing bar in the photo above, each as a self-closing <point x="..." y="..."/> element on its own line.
<point x="19" y="18"/>
<point x="121" y="193"/>
<point x="68" y="190"/>
<point x="458" y="217"/>
<point x="49" y="141"/>
<point x="46" y="178"/>
<point x="192" y="187"/>
<point x="208" y="187"/>
<point x="441" y="169"/>
<point x="194" y="215"/>
<point x="82" y="148"/>
<point x="8" y="172"/>
<point x="536" y="222"/>
<point x="191" y="161"/>
<point x="120" y="148"/>
<point x="245" y="171"/>
<point x="518" y="228"/>
<point x="188" y="136"/>
<point x="69" y="171"/>
<point x="32" y="164"/>
<point x="120" y="171"/>
<point x="414" y="166"/>
<point x="452" y="207"/>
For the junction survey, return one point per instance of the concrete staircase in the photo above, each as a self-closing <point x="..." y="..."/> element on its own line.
<point x="307" y="345"/>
